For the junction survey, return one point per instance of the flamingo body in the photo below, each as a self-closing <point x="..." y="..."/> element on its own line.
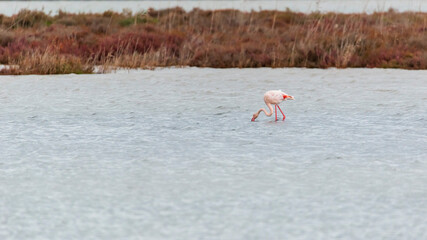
<point x="273" y="97"/>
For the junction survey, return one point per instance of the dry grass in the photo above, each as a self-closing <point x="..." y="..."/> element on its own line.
<point x="47" y="62"/>
<point x="222" y="39"/>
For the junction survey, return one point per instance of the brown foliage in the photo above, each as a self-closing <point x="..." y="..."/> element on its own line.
<point x="221" y="38"/>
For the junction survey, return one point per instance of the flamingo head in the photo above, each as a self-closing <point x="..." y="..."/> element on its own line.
<point x="288" y="97"/>
<point x="254" y="117"/>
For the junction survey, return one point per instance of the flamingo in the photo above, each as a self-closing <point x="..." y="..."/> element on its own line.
<point x="274" y="97"/>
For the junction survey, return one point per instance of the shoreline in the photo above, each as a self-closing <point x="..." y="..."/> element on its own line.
<point x="190" y="68"/>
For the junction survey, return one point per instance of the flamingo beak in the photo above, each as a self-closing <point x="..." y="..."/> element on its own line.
<point x="253" y="119"/>
<point x="291" y="98"/>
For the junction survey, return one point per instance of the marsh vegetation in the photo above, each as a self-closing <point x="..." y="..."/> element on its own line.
<point x="33" y="42"/>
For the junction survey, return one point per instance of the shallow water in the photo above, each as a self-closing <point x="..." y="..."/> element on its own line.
<point x="172" y="154"/>
<point x="306" y="6"/>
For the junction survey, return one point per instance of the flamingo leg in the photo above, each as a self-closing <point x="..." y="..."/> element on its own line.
<point x="282" y="114"/>
<point x="275" y="110"/>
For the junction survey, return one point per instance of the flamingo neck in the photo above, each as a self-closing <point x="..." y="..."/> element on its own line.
<point x="268" y="114"/>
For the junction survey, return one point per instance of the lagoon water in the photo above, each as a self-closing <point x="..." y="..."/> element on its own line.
<point x="172" y="154"/>
<point x="305" y="6"/>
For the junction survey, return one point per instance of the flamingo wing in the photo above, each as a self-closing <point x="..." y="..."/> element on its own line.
<point x="273" y="96"/>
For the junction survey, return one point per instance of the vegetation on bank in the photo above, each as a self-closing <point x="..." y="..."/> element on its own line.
<point x="33" y="42"/>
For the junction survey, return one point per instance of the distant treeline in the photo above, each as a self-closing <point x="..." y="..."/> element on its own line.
<point x="34" y="42"/>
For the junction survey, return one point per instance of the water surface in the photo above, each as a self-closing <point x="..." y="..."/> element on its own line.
<point x="172" y="154"/>
<point x="305" y="6"/>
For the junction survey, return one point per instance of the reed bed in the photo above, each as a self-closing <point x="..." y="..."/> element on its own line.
<point x="37" y="43"/>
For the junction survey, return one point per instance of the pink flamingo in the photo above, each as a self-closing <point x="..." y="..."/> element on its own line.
<point x="273" y="97"/>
